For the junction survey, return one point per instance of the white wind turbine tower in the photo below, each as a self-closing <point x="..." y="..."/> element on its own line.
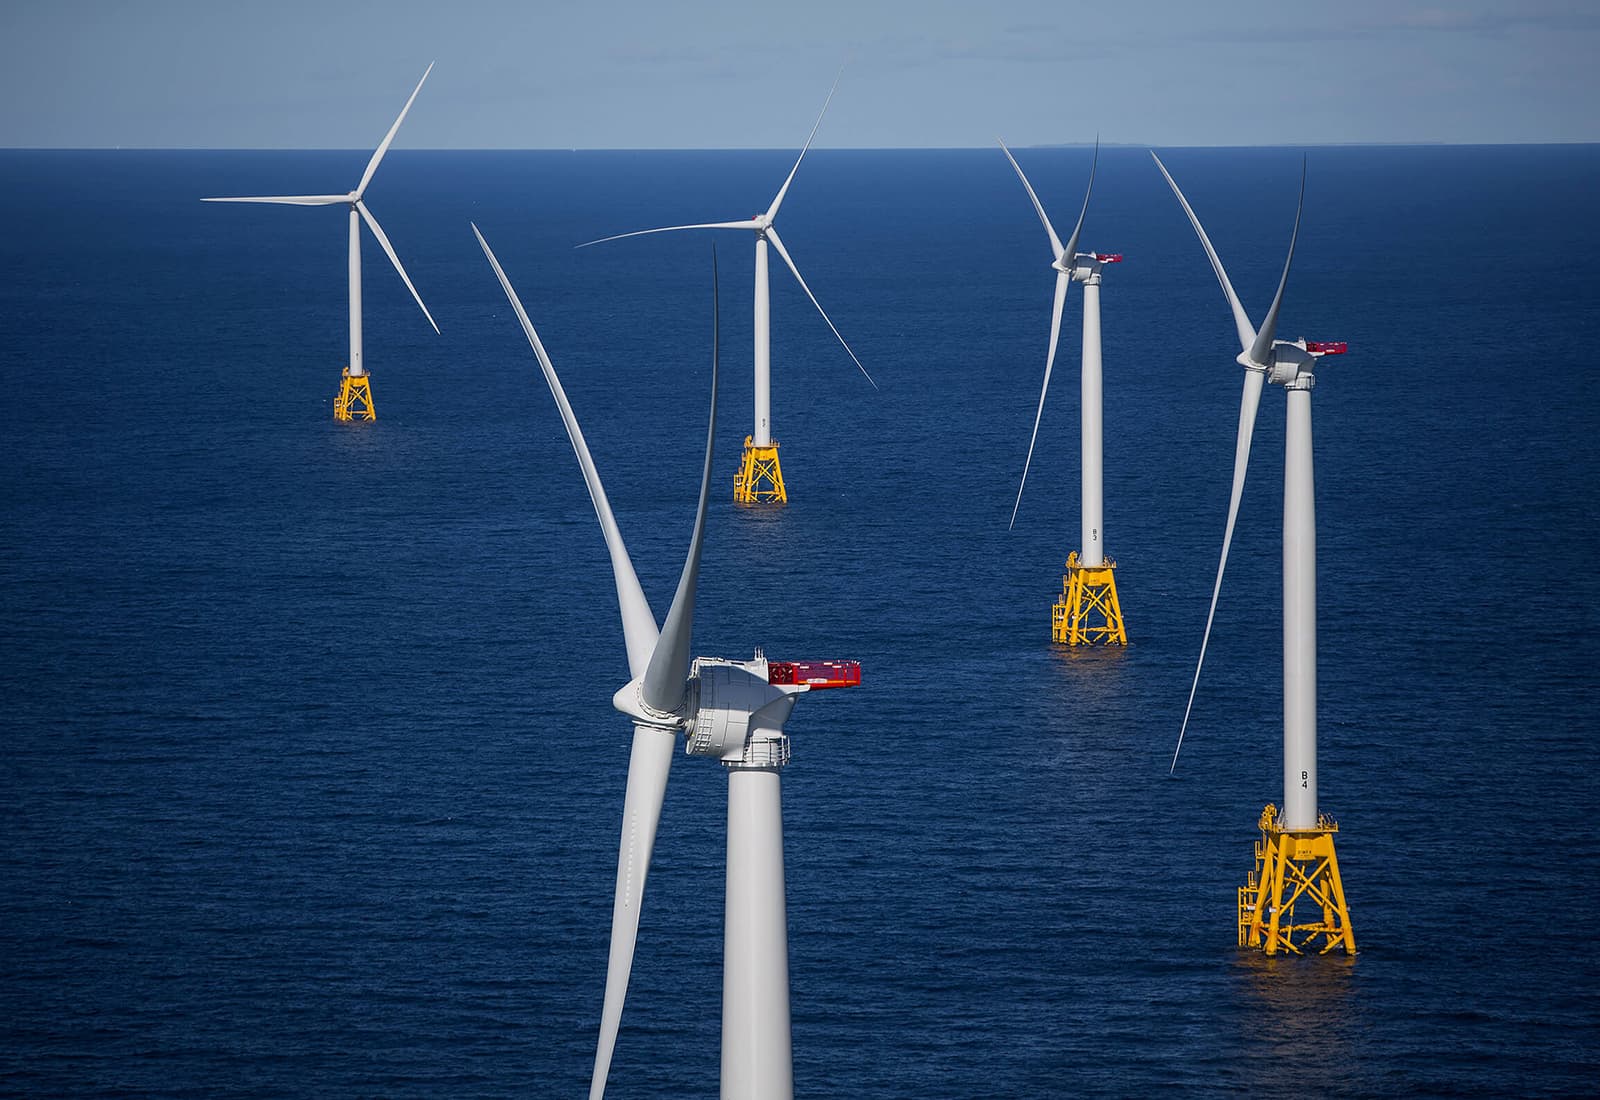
<point x="355" y="391"/>
<point x="733" y="711"/>
<point x="1088" y="610"/>
<point x="760" y="477"/>
<point x="1295" y="861"/>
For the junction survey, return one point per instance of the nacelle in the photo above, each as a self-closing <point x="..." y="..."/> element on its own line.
<point x="736" y="707"/>
<point x="730" y="700"/>
<point x="1086" y="265"/>
<point x="1290" y="360"/>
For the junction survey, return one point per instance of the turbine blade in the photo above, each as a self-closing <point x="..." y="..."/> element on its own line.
<point x="1262" y="347"/>
<point x="1249" y="401"/>
<point x="1055" y="241"/>
<point x="772" y="211"/>
<point x="383" y="239"/>
<point x="1063" y="281"/>
<point x="749" y="224"/>
<point x="638" y="621"/>
<point x="372" y="165"/>
<point x="648" y="764"/>
<point x="1072" y="241"/>
<point x="290" y="200"/>
<point x="772" y="235"/>
<point x="668" y="675"/>
<point x="1241" y="320"/>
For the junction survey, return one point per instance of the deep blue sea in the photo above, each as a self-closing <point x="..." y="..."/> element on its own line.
<point x="310" y="783"/>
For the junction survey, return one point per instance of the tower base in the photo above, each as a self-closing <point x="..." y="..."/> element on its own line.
<point x="760" y="478"/>
<point x="355" y="398"/>
<point x="1088" y="611"/>
<point x="1295" y="867"/>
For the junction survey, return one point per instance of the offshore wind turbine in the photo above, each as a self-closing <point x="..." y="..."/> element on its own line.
<point x="355" y="390"/>
<point x="732" y="711"/>
<point x="1295" y="861"/>
<point x="1088" y="610"/>
<point x="760" y="476"/>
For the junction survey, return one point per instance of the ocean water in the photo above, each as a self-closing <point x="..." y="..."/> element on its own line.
<point x="309" y="780"/>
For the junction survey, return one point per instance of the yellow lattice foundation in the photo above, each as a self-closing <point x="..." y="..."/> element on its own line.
<point x="1088" y="612"/>
<point x="760" y="478"/>
<point x="1295" y="869"/>
<point x="355" y="398"/>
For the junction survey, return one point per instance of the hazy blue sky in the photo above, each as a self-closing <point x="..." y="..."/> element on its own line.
<point x="654" y="74"/>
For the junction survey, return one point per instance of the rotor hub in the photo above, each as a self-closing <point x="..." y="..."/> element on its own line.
<point x="629" y="699"/>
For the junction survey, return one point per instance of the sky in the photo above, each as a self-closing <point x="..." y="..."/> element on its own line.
<point x="649" y="74"/>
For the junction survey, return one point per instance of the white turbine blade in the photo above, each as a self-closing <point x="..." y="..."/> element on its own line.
<point x="290" y="200"/>
<point x="1055" y="241"/>
<point x="638" y="621"/>
<point x="1241" y="320"/>
<point x="668" y="674"/>
<point x="749" y="224"/>
<point x="772" y="211"/>
<point x="377" y="231"/>
<point x="1249" y="401"/>
<point x="1063" y="281"/>
<point x="1262" y="347"/>
<point x="648" y="765"/>
<point x="772" y="235"/>
<point x="372" y="165"/>
<point x="1072" y="241"/>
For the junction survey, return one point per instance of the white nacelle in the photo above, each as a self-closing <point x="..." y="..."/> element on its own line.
<point x="1290" y="361"/>
<point x="731" y="701"/>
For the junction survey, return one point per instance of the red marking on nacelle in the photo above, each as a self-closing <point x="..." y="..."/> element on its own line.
<point x="1109" y="257"/>
<point x="1327" y="347"/>
<point x="815" y="674"/>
